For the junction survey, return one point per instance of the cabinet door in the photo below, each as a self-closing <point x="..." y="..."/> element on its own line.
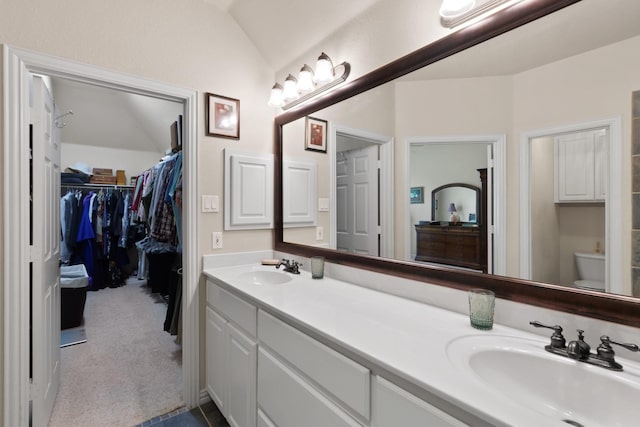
<point x="575" y="167"/>
<point x="393" y="406"/>
<point x="241" y="374"/>
<point x="216" y="358"/>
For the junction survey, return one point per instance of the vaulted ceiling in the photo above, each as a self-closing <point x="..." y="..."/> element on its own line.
<point x="284" y="29"/>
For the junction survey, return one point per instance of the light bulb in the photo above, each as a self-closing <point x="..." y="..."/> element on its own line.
<point x="290" y="91"/>
<point x="324" y="69"/>
<point x="276" y="99"/>
<point x="305" y="79"/>
<point x="454" y="8"/>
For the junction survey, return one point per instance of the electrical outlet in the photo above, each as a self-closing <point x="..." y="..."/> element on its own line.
<point x="319" y="233"/>
<point x="216" y="240"/>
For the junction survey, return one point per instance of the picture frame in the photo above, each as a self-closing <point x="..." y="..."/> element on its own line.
<point x="222" y="116"/>
<point x="315" y="134"/>
<point x="416" y="194"/>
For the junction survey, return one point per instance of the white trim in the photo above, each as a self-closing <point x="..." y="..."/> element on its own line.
<point x="499" y="143"/>
<point x="18" y="64"/>
<point x="613" y="206"/>
<point x="386" y="144"/>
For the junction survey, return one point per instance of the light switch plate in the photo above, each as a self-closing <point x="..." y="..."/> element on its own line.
<point x="323" y="204"/>
<point x="210" y="203"/>
<point x="319" y="233"/>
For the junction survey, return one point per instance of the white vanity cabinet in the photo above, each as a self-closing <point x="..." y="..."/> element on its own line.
<point x="231" y="355"/>
<point x="264" y="369"/>
<point x="393" y="406"/>
<point x="322" y="387"/>
<point x="581" y="166"/>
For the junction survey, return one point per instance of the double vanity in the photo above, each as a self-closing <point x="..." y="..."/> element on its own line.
<point x="286" y="350"/>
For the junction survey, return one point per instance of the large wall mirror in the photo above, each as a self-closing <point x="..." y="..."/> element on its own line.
<point x="513" y="95"/>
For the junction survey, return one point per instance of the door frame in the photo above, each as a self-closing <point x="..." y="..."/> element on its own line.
<point x="385" y="199"/>
<point x="499" y="200"/>
<point x="17" y="65"/>
<point x="613" y="207"/>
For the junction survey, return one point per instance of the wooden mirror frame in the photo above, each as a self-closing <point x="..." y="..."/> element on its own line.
<point x="614" y="308"/>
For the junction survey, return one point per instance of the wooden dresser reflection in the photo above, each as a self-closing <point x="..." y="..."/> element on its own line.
<point x="458" y="245"/>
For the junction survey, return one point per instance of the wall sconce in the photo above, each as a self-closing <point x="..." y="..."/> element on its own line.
<point x="457" y="12"/>
<point x="309" y="83"/>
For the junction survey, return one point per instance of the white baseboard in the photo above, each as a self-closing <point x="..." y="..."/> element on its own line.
<point x="204" y="397"/>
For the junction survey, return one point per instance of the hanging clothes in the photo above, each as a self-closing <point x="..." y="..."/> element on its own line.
<point x="86" y="239"/>
<point x="94" y="227"/>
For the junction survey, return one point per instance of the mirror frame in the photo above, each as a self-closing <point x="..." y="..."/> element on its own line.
<point x="614" y="308"/>
<point x="436" y="190"/>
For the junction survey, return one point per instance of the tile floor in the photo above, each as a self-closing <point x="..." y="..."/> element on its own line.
<point x="206" y="415"/>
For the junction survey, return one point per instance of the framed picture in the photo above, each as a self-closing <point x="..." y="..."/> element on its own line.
<point x="315" y="135"/>
<point x="222" y="116"/>
<point x="416" y="194"/>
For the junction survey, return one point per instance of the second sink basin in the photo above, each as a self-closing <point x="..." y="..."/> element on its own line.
<point x="561" y="388"/>
<point x="265" y="277"/>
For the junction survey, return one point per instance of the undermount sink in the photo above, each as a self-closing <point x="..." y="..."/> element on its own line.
<point x="265" y="277"/>
<point x="560" y="388"/>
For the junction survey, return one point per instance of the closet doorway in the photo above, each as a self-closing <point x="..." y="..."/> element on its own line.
<point x="19" y="65"/>
<point x="130" y="299"/>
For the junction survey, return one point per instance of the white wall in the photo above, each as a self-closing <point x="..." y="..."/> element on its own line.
<point x="187" y="43"/>
<point x="385" y="32"/>
<point x="545" y="226"/>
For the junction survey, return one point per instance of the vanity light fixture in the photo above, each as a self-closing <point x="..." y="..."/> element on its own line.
<point x="454" y="13"/>
<point x="309" y="83"/>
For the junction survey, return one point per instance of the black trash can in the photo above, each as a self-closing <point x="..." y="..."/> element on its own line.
<point x="73" y="295"/>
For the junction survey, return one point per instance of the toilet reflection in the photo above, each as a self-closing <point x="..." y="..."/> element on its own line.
<point x="591" y="271"/>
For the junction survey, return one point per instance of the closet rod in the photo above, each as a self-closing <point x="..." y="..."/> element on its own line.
<point x="98" y="186"/>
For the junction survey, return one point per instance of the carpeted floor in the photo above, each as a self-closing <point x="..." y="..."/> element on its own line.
<point x="128" y="371"/>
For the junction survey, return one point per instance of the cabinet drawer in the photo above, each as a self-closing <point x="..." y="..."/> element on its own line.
<point x="233" y="308"/>
<point x="343" y="378"/>
<point x="393" y="406"/>
<point x="289" y="401"/>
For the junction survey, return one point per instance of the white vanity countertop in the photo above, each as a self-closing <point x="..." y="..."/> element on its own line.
<point x="407" y="338"/>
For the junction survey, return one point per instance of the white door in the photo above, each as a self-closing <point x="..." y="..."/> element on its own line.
<point x="357" y="201"/>
<point x="45" y="254"/>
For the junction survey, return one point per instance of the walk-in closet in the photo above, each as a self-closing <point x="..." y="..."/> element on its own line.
<point x="121" y="255"/>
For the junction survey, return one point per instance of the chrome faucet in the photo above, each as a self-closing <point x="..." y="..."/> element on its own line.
<point x="581" y="351"/>
<point x="289" y="266"/>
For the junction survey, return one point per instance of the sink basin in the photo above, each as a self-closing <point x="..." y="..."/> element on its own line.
<point x="265" y="277"/>
<point x="560" y="388"/>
